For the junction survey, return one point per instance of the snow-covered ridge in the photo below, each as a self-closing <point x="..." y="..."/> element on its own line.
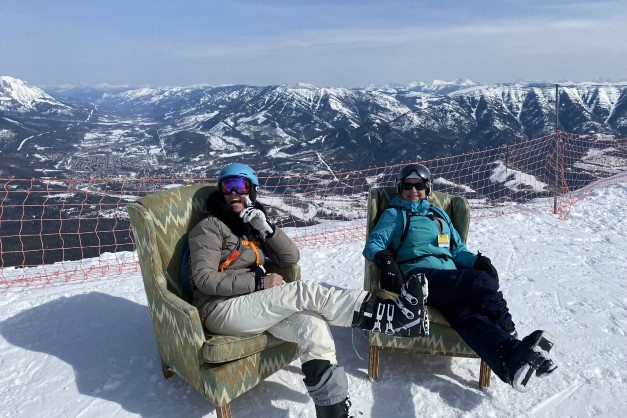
<point x="281" y="124"/>
<point x="602" y="98"/>
<point x="18" y="96"/>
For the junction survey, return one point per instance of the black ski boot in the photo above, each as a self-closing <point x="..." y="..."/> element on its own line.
<point x="547" y="367"/>
<point x="401" y="315"/>
<point x="510" y="328"/>
<point x="530" y="356"/>
<point x="339" y="410"/>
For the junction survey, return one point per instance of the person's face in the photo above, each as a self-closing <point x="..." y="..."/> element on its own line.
<point x="235" y="191"/>
<point x="410" y="192"/>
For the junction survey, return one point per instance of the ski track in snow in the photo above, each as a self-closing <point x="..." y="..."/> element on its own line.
<point x="326" y="165"/>
<point x="88" y="349"/>
<point x="554" y="401"/>
<point x="19" y="148"/>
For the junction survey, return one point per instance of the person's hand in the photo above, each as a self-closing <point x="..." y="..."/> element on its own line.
<point x="272" y="280"/>
<point x="391" y="275"/>
<point x="257" y="219"/>
<point x="483" y="263"/>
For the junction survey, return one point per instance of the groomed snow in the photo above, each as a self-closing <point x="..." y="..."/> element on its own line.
<point x="88" y="349"/>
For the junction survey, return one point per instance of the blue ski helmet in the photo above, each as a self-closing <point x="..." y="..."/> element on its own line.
<point x="240" y="170"/>
<point x="414" y="171"/>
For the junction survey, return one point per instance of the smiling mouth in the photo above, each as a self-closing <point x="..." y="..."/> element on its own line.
<point x="235" y="201"/>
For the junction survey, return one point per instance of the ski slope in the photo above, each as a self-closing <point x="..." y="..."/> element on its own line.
<point x="88" y="349"/>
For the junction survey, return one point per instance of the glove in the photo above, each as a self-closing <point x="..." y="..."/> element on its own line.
<point x="391" y="275"/>
<point x="257" y="219"/>
<point x="483" y="263"/>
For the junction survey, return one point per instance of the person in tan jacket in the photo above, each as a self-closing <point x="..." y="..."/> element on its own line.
<point x="236" y="296"/>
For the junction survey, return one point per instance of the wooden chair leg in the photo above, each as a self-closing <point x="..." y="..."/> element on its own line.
<point x="224" y="411"/>
<point x="167" y="373"/>
<point x="484" y="375"/>
<point x="373" y="363"/>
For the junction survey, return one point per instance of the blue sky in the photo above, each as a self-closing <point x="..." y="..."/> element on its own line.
<point x="326" y="43"/>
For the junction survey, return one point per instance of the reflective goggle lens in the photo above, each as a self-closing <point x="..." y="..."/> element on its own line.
<point x="239" y="184"/>
<point x="408" y="186"/>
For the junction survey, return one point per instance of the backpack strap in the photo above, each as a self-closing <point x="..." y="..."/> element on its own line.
<point x="254" y="246"/>
<point x="237" y="252"/>
<point x="420" y="257"/>
<point x="233" y="255"/>
<point x="406" y="222"/>
<point x="436" y="214"/>
<point x="440" y="224"/>
<point x="441" y="214"/>
<point x="185" y="270"/>
<point x="185" y="274"/>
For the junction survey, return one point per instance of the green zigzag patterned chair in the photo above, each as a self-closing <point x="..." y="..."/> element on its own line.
<point x="220" y="368"/>
<point x="442" y="340"/>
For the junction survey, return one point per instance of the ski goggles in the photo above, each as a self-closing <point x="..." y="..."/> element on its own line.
<point x="405" y="185"/>
<point x="239" y="184"/>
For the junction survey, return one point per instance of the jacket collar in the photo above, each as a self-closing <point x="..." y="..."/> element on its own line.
<point x="421" y="207"/>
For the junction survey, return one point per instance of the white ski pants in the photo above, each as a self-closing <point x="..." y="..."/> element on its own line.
<point x="299" y="312"/>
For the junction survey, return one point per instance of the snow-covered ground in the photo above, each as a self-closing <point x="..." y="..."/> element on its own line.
<point x="88" y="349"/>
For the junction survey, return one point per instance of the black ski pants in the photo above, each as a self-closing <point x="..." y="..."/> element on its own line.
<point x="471" y="302"/>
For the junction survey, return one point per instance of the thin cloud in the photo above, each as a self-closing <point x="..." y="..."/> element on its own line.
<point x="326" y="43"/>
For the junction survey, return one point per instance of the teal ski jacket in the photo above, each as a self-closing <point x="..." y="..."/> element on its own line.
<point x="420" y="247"/>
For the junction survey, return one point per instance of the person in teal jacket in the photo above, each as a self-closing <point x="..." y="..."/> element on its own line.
<point x="414" y="238"/>
<point x="426" y="224"/>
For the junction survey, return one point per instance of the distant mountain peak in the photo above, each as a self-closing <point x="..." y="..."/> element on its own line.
<point x="18" y="96"/>
<point x="304" y="86"/>
<point x="193" y="129"/>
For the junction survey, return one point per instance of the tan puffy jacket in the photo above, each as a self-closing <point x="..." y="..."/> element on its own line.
<point x="211" y="241"/>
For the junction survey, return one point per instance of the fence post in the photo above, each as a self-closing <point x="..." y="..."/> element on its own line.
<point x="557" y="148"/>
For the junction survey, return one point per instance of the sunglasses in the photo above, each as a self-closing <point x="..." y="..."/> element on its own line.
<point x="239" y="184"/>
<point x="408" y="186"/>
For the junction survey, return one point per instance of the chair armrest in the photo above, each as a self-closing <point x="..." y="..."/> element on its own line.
<point x="372" y="277"/>
<point x="289" y="274"/>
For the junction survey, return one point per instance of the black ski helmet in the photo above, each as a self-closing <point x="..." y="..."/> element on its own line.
<point x="420" y="170"/>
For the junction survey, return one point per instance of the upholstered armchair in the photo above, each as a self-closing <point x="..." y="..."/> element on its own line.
<point x="220" y="368"/>
<point x="442" y="340"/>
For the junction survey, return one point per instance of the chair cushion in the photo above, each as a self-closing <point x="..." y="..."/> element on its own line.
<point x="435" y="316"/>
<point x="224" y="348"/>
<point x="442" y="340"/>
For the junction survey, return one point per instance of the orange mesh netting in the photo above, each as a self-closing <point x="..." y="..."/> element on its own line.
<point x="81" y="225"/>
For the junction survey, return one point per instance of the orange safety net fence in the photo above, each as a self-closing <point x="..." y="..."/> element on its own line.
<point x="59" y="230"/>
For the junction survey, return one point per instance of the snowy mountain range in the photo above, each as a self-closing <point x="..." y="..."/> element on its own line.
<point x="16" y="96"/>
<point x="190" y="131"/>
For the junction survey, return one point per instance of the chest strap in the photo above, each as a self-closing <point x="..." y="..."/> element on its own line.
<point x="237" y="252"/>
<point x="407" y="220"/>
<point x="440" y="224"/>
